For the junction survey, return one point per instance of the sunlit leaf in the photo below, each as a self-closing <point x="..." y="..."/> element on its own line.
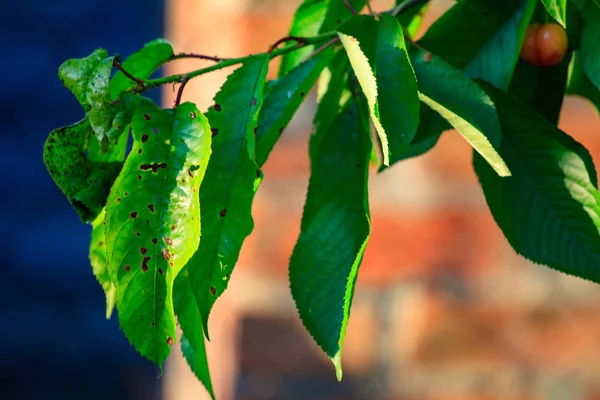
<point x="193" y="346"/>
<point x="549" y="209"/>
<point x="231" y="181"/>
<point x="334" y="231"/>
<point x="153" y="221"/>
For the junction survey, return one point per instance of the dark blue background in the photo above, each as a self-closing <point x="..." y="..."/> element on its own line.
<point x="54" y="340"/>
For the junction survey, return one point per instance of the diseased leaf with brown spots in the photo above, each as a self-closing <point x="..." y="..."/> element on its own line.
<point x="231" y="181"/>
<point x="153" y="221"/>
<point x="85" y="182"/>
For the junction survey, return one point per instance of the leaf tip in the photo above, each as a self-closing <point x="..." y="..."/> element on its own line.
<point x="337" y="363"/>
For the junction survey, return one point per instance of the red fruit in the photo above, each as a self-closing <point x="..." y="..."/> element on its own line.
<point x="544" y="45"/>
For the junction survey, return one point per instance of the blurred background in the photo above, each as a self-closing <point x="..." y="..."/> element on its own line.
<point x="443" y="309"/>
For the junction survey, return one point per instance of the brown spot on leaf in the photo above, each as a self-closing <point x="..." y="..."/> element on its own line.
<point x="139" y="151"/>
<point x="144" y="138"/>
<point x="118" y="199"/>
<point x="127" y="268"/>
<point x="145" y="264"/>
<point x="223" y="212"/>
<point x="170" y="341"/>
<point x="168" y="241"/>
<point x="226" y="276"/>
<point x="133" y="214"/>
<point x="153" y="324"/>
<point x="139" y="177"/>
<point x="302" y="94"/>
<point x="182" y="180"/>
<point x="100" y="244"/>
<point x="151" y="208"/>
<point x="214" y="132"/>
<point x="147" y="117"/>
<point x="143" y="250"/>
<point x="160" y="271"/>
<point x="154" y="240"/>
<point x="427" y="57"/>
<point x="160" y="299"/>
<point x="254" y="130"/>
<point x="213" y="290"/>
<point x="138" y="234"/>
<point x="217" y="108"/>
<point x="193" y="115"/>
<point x="173" y="227"/>
<point x="166" y="254"/>
<point x="154" y="166"/>
<point x="258" y="173"/>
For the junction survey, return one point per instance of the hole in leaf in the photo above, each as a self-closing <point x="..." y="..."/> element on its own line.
<point x="193" y="115"/>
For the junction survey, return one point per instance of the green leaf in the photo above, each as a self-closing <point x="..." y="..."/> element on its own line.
<point x="231" y="181"/>
<point x="86" y="183"/>
<point x="334" y="231"/>
<point x="76" y="74"/>
<point x="88" y="79"/>
<point x="99" y="264"/>
<point x="579" y="84"/>
<point x="153" y="221"/>
<point x="332" y="94"/>
<point x="411" y="18"/>
<point x="590" y="43"/>
<point x="283" y="99"/>
<point x="460" y="34"/>
<point x="542" y="88"/>
<point x="312" y="18"/>
<point x="549" y="209"/>
<point x="558" y="10"/>
<point x="462" y="103"/>
<point x="141" y="64"/>
<point x="193" y="346"/>
<point x="378" y="56"/>
<point x="496" y="60"/>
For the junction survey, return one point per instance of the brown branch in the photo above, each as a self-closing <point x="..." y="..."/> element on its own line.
<point x="199" y="56"/>
<point x="299" y="40"/>
<point x="184" y="81"/>
<point x="349" y="6"/>
<point x="117" y="65"/>
<point x="323" y="47"/>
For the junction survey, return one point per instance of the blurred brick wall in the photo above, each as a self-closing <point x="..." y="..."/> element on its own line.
<point x="444" y="309"/>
